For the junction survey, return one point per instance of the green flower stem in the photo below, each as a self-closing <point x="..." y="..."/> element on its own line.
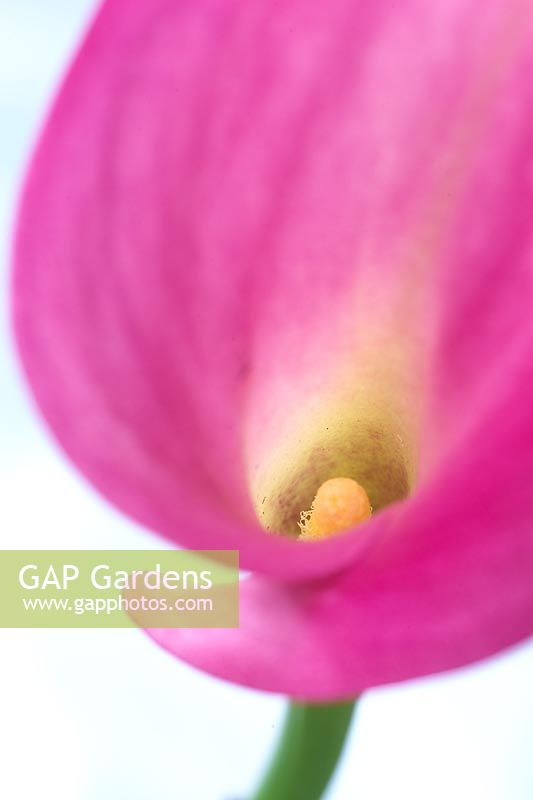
<point x="311" y="743"/>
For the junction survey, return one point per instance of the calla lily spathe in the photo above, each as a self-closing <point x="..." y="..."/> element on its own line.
<point x="261" y="243"/>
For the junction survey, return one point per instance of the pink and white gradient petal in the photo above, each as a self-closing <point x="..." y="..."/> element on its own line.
<point x="236" y="216"/>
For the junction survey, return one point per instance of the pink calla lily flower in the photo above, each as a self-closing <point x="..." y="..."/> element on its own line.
<point x="261" y="245"/>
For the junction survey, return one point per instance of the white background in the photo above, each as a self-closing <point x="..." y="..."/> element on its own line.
<point x="91" y="715"/>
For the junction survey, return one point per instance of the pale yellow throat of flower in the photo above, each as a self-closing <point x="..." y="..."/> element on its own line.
<point x="339" y="504"/>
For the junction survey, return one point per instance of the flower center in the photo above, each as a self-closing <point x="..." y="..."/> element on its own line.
<point x="354" y="445"/>
<point x="358" y="427"/>
<point x="339" y="504"/>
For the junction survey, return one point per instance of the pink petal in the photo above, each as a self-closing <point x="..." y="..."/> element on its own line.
<point x="230" y="207"/>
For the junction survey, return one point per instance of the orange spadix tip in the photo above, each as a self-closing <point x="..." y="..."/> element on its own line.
<point x="339" y="504"/>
